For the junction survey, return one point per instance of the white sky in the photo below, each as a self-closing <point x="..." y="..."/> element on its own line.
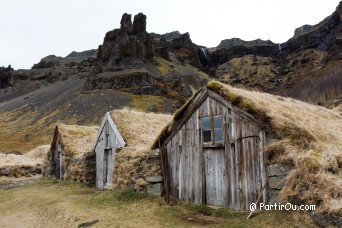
<point x="31" y="30"/>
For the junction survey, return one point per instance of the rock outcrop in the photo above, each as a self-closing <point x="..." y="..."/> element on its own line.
<point x="302" y="30"/>
<point x="130" y="41"/>
<point x="228" y="43"/>
<point x="6" y="77"/>
<point x="69" y="60"/>
<point x="135" y="82"/>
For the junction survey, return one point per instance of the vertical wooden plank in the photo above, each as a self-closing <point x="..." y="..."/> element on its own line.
<point x="257" y="161"/>
<point x="262" y="169"/>
<point x="239" y="162"/>
<point x="99" y="164"/>
<point x="244" y="164"/>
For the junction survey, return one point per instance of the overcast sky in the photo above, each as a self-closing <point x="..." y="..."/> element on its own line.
<point x="31" y="30"/>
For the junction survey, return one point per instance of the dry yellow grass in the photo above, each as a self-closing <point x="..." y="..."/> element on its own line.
<point x="77" y="140"/>
<point x="34" y="157"/>
<point x="139" y="129"/>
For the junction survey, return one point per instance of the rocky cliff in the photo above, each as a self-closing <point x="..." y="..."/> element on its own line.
<point x="308" y="66"/>
<point x="6" y="77"/>
<point x="130" y="41"/>
<point x="228" y="43"/>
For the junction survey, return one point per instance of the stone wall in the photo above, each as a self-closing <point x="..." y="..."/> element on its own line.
<point x="83" y="169"/>
<point x="20" y="171"/>
<point x="142" y="173"/>
<point x="80" y="169"/>
<point x="277" y="174"/>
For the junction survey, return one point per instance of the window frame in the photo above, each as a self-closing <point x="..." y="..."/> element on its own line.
<point x="212" y="142"/>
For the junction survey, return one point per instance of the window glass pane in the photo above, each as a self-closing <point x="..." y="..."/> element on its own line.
<point x="206" y="136"/>
<point x="218" y="135"/>
<point x="217" y="121"/>
<point x="206" y="122"/>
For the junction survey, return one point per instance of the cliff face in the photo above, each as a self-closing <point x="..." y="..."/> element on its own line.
<point x="307" y="66"/>
<point x="228" y="43"/>
<point x="6" y="77"/>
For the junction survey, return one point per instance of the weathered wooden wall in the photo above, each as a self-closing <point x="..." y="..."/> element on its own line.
<point x="100" y="147"/>
<point x="231" y="175"/>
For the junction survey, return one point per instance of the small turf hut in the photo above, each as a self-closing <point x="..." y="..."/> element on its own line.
<point x="225" y="146"/>
<point x="70" y="153"/>
<point x="107" y="143"/>
<point x="135" y="165"/>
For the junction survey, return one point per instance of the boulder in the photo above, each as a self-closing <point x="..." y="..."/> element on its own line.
<point x="278" y="170"/>
<point x="276" y="182"/>
<point x="154" y="189"/>
<point x="154" y="179"/>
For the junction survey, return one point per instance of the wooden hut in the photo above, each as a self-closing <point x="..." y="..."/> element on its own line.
<point x="107" y="142"/>
<point x="69" y="145"/>
<point x="128" y="135"/>
<point x="214" y="153"/>
<point x="228" y="147"/>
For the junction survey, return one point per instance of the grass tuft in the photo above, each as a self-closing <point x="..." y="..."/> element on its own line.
<point x="130" y="195"/>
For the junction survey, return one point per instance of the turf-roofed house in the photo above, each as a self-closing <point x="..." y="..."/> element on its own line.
<point x="70" y="156"/>
<point x="232" y="147"/>
<point x="124" y="158"/>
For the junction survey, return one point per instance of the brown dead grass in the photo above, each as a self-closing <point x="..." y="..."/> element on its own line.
<point x="32" y="158"/>
<point x="77" y="139"/>
<point x="139" y="129"/>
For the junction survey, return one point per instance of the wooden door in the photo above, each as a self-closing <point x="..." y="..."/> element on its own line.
<point x="216" y="177"/>
<point x="105" y="166"/>
<point x="58" y="160"/>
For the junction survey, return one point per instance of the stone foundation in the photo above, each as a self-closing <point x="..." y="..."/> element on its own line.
<point x="142" y="173"/>
<point x="20" y="171"/>
<point x="82" y="169"/>
<point x="277" y="174"/>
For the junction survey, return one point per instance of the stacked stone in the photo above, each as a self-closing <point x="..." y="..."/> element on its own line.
<point x="82" y="169"/>
<point x="141" y="173"/>
<point x="277" y="174"/>
<point x="20" y="171"/>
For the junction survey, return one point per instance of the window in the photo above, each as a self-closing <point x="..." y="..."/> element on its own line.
<point x="218" y="129"/>
<point x="206" y="129"/>
<point x="212" y="132"/>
